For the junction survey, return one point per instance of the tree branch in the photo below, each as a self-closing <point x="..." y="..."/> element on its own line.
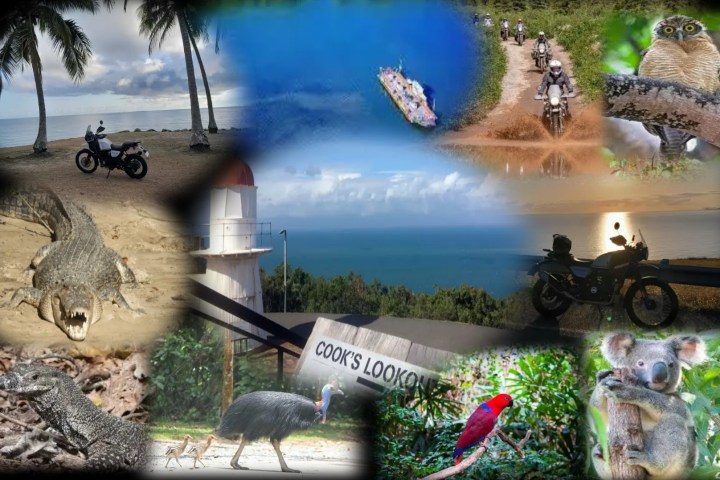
<point x="462" y="466"/>
<point x="659" y="102"/>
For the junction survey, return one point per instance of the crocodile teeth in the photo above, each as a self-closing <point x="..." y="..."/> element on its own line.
<point x="76" y="325"/>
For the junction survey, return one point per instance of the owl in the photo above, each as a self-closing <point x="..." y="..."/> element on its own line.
<point x="681" y="51"/>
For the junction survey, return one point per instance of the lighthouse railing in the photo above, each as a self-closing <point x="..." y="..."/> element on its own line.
<point x="233" y="234"/>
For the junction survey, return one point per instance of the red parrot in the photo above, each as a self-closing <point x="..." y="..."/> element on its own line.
<point x="480" y="423"/>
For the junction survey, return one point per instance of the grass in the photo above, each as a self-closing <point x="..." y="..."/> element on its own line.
<point x="488" y="87"/>
<point x="336" y="429"/>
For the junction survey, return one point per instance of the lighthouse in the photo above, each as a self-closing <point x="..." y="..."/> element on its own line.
<point x="234" y="246"/>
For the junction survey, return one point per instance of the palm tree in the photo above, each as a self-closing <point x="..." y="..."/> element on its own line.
<point x="198" y="28"/>
<point x="157" y="18"/>
<point x="20" y="44"/>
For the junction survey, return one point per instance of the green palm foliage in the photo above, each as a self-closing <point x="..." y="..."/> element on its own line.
<point x="19" y="24"/>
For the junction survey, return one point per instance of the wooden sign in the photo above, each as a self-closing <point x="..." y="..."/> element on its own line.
<point x="368" y="361"/>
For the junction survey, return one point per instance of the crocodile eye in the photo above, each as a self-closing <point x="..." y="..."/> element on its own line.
<point x="640" y="363"/>
<point x="34" y="376"/>
<point x="689" y="27"/>
<point x="668" y="29"/>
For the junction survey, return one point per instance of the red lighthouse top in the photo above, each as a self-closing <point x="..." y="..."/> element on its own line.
<point x="236" y="173"/>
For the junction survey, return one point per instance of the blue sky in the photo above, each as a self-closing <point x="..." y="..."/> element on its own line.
<point x="374" y="183"/>
<point x="120" y="76"/>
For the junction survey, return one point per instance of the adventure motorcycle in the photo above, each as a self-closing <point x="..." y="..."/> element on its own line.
<point x="504" y="30"/>
<point x="555" y="108"/>
<point x="520" y="34"/>
<point x="108" y="155"/>
<point x="564" y="279"/>
<point x="541" y="57"/>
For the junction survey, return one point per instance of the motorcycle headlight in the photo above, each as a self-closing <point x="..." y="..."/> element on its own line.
<point x="554" y="101"/>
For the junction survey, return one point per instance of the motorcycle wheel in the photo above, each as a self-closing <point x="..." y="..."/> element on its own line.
<point x="556" y="128"/>
<point x="520" y="40"/>
<point x="135" y="166"/>
<point x="86" y="161"/>
<point x="547" y="301"/>
<point x="657" y="310"/>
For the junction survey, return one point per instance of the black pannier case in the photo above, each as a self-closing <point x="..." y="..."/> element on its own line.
<point x="561" y="244"/>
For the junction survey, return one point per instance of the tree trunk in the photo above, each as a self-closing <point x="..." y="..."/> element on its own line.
<point x="624" y="432"/>
<point x="658" y="102"/>
<point x="198" y="139"/>
<point x="212" y="126"/>
<point x="228" y="383"/>
<point x="40" y="144"/>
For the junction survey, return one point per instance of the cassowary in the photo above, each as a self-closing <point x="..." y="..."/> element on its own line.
<point x="273" y="415"/>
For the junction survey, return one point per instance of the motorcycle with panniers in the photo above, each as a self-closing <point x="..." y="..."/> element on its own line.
<point x="563" y="280"/>
<point x="101" y="151"/>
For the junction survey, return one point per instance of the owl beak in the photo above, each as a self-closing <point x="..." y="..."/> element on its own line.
<point x="679" y="35"/>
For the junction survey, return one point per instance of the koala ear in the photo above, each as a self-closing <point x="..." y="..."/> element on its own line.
<point x="615" y="347"/>
<point x="689" y="349"/>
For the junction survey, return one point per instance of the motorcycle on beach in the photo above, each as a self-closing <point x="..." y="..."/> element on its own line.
<point x="650" y="302"/>
<point x="555" y="109"/>
<point x="101" y="152"/>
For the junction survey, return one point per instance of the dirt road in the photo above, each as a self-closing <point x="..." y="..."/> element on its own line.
<point x="512" y="137"/>
<point x="315" y="459"/>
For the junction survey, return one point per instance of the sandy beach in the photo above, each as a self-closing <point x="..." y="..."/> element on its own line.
<point x="132" y="219"/>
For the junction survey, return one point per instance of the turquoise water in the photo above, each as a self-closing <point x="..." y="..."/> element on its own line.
<point x="310" y="68"/>
<point x="22" y="131"/>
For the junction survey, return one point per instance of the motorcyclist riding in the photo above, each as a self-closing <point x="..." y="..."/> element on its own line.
<point x="476" y="18"/>
<point x="504" y="25"/>
<point x="555" y="76"/>
<point x="542" y="39"/>
<point x="487" y="20"/>
<point x="515" y="28"/>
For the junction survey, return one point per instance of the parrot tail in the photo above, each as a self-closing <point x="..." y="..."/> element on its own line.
<point x="458" y="460"/>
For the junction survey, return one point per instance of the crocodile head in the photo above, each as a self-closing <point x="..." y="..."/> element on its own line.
<point x="73" y="308"/>
<point x="30" y="380"/>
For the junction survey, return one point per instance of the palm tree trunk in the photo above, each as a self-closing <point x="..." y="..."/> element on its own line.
<point x="212" y="126"/>
<point x="40" y="144"/>
<point x="198" y="139"/>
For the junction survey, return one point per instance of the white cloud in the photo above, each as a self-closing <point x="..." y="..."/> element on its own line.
<point x="152" y="65"/>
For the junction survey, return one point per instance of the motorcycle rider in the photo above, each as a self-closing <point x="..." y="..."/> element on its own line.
<point x="504" y="25"/>
<point x="555" y="76"/>
<point x="542" y="39"/>
<point x="487" y="20"/>
<point x="476" y="18"/>
<point x="515" y="29"/>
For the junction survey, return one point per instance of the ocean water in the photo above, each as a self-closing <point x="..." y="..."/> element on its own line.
<point x="419" y="258"/>
<point x="22" y="131"/>
<point x="309" y="68"/>
<point x="423" y="258"/>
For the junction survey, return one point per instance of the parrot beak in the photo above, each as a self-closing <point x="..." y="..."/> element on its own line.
<point x="511" y="403"/>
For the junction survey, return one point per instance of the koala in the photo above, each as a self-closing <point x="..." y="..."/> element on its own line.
<point x="669" y="432"/>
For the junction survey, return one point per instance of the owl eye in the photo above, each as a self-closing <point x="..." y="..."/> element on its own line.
<point x="690" y="27"/>
<point x="669" y="29"/>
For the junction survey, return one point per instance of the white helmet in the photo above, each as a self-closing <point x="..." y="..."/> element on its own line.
<point x="555" y="68"/>
<point x="541" y="34"/>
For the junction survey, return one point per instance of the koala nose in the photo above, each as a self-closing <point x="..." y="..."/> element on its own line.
<point x="659" y="372"/>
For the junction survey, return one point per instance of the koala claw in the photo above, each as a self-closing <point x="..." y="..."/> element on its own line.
<point x="635" y="457"/>
<point x="597" y="452"/>
<point x="602" y="375"/>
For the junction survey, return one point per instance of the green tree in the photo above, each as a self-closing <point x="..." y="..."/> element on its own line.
<point x="20" y="45"/>
<point x="157" y="18"/>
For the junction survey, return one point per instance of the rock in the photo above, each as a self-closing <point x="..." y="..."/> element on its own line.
<point x="137" y="130"/>
<point x="150" y="130"/>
